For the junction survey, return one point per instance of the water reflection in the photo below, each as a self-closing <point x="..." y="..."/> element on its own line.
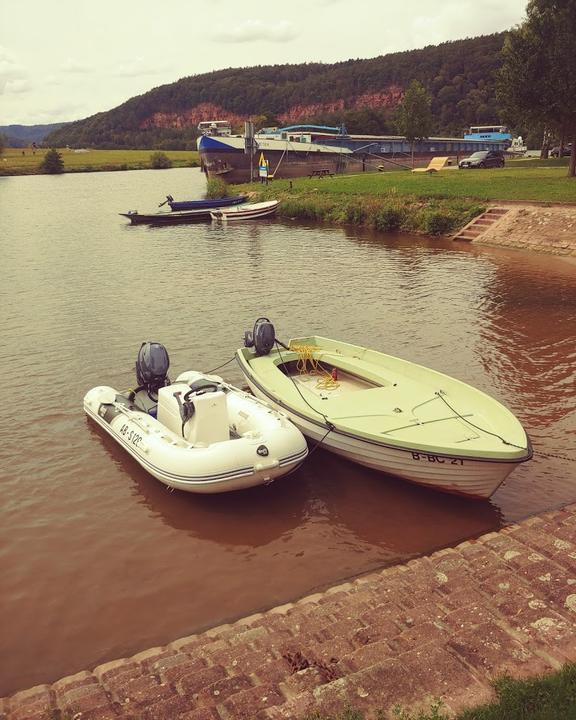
<point x="253" y="517"/>
<point x="395" y="515"/>
<point x="82" y="289"/>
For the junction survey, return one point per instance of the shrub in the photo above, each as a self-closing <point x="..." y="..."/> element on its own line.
<point x="160" y="161"/>
<point x="216" y="188"/>
<point x="355" y="214"/>
<point x="438" y="222"/>
<point x="52" y="162"/>
<point x="388" y="219"/>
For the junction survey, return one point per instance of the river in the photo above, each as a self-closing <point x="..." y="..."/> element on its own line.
<point x="98" y="560"/>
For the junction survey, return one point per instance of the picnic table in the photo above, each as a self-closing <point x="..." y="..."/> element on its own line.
<point x="321" y="172"/>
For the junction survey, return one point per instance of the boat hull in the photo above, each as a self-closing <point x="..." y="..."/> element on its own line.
<point x="168" y="218"/>
<point x="358" y="416"/>
<point x="461" y="476"/>
<point x="178" y="205"/>
<point x="246" y="212"/>
<point x="234" y="464"/>
<point x="226" y="158"/>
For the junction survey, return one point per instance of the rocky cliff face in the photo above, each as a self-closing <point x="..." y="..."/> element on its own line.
<point x="191" y="117"/>
<point x="391" y="97"/>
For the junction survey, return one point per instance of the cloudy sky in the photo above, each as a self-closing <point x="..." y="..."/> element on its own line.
<point x="67" y="59"/>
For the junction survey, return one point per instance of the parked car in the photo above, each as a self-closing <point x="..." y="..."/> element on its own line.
<point x="566" y="150"/>
<point x="483" y="159"/>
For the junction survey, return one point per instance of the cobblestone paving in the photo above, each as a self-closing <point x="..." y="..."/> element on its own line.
<point x="438" y="627"/>
<point x="550" y="230"/>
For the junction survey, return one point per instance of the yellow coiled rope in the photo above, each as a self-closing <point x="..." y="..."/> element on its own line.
<point x="307" y="364"/>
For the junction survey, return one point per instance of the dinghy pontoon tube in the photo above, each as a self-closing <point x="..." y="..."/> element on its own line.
<point x="199" y="434"/>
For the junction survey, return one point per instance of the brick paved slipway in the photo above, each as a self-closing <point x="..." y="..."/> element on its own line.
<point x="549" y="229"/>
<point x="441" y="626"/>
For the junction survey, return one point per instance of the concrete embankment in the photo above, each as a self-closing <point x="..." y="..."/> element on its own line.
<point x="441" y="626"/>
<point x="546" y="229"/>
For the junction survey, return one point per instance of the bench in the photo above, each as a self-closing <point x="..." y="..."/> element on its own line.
<point x="437" y="163"/>
<point x="321" y="172"/>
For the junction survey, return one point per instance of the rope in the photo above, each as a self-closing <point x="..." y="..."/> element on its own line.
<point x="321" y="440"/>
<point x="329" y="425"/>
<point x="440" y="394"/>
<point x="307" y="364"/>
<point x="536" y="452"/>
<point x="221" y="366"/>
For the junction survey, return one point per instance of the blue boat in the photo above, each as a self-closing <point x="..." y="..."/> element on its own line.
<point x="178" y="205"/>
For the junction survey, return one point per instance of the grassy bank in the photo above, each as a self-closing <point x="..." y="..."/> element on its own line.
<point x="435" y="204"/>
<point x="549" y="697"/>
<point x="14" y="162"/>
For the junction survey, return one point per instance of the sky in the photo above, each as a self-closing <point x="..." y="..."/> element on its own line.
<point x="64" y="60"/>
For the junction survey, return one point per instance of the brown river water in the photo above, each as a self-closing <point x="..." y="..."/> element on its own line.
<point x="98" y="560"/>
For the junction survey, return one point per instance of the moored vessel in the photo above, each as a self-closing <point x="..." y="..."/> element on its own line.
<point x="387" y="413"/>
<point x="198" y="434"/>
<point x="250" y="211"/>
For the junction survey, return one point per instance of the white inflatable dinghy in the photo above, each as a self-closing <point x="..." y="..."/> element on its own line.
<point x="199" y="434"/>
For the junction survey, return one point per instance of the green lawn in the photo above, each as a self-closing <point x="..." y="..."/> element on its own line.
<point x="517" y="181"/>
<point x="14" y="162"/>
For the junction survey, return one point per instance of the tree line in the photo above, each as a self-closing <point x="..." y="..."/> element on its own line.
<point x="459" y="77"/>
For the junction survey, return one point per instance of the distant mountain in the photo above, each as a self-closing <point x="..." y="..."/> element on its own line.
<point x="24" y="135"/>
<point x="363" y="94"/>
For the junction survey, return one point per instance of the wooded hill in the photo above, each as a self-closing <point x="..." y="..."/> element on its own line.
<point x="364" y="94"/>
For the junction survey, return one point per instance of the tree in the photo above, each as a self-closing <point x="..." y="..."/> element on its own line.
<point x="537" y="82"/>
<point x="414" y="117"/>
<point x="2" y="143"/>
<point x="52" y="162"/>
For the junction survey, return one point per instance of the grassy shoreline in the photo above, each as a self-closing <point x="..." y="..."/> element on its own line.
<point x="25" y="161"/>
<point x="435" y="204"/>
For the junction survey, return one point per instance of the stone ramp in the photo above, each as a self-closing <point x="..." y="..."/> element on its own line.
<point x="477" y="227"/>
<point x="441" y="626"/>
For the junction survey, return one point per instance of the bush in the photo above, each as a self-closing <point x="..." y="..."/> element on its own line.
<point x="160" y="161"/>
<point x="388" y="219"/>
<point x="438" y="222"/>
<point x="52" y="162"/>
<point x="216" y="188"/>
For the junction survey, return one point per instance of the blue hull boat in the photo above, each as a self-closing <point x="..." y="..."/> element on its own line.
<point x="178" y="205"/>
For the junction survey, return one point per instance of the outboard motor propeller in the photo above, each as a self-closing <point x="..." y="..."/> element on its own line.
<point x="262" y="338"/>
<point x="152" y="367"/>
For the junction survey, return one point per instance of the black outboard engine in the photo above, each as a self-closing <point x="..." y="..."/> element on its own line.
<point x="262" y="338"/>
<point x="152" y="367"/>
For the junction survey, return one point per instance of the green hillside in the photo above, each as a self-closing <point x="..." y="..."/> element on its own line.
<point x="363" y="94"/>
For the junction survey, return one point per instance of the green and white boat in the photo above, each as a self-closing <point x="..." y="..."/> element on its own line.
<point x="387" y="413"/>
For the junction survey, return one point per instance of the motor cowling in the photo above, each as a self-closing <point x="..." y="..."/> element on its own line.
<point x="262" y="337"/>
<point x="152" y="366"/>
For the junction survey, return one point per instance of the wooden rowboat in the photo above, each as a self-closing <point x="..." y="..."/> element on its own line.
<point x="245" y="212"/>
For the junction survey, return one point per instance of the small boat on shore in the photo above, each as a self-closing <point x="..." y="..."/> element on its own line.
<point x="198" y="434"/>
<point x="387" y="413"/>
<point x="246" y="212"/>
<point x="208" y="204"/>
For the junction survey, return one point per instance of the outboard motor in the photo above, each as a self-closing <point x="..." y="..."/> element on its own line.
<point x="152" y="367"/>
<point x="262" y="338"/>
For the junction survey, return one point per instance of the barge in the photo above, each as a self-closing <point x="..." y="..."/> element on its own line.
<point x="314" y="150"/>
